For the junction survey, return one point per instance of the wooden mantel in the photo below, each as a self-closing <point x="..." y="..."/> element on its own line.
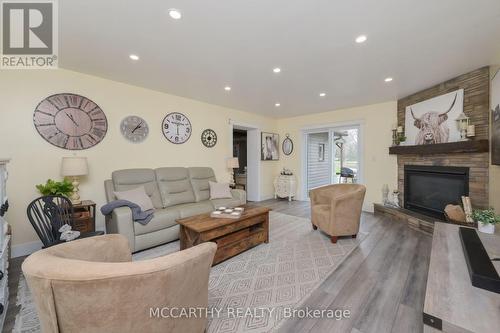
<point x="470" y="146"/>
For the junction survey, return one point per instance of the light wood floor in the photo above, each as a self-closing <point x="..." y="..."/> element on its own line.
<point x="382" y="282"/>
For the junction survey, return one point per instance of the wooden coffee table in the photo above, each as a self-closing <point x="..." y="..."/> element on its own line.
<point x="232" y="236"/>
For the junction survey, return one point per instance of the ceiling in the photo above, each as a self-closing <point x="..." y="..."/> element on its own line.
<point x="237" y="43"/>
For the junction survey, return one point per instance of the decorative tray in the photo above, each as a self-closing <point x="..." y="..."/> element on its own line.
<point x="227" y="213"/>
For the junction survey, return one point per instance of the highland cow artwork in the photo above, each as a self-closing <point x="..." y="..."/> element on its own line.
<point x="433" y="121"/>
<point x="495" y="119"/>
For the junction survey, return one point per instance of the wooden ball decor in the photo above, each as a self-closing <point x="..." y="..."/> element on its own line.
<point x="70" y="121"/>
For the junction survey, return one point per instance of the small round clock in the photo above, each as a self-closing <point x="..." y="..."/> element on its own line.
<point x="134" y="129"/>
<point x="209" y="138"/>
<point x="70" y="121"/>
<point x="176" y="128"/>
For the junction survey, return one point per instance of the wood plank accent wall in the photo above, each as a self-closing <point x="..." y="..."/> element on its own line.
<point x="476" y="85"/>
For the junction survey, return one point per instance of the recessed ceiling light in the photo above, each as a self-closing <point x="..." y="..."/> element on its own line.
<point x="361" y="39"/>
<point x="227" y="88"/>
<point x="322" y="94"/>
<point x="388" y="79"/>
<point x="277" y="70"/>
<point x="174" y="13"/>
<point x="277" y="105"/>
<point x="134" y="57"/>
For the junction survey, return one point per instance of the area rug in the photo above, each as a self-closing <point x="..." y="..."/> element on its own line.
<point x="272" y="276"/>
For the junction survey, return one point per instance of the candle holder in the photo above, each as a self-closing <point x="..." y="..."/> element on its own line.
<point x="394" y="137"/>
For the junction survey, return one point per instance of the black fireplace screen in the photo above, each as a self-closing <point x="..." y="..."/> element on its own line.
<point x="428" y="189"/>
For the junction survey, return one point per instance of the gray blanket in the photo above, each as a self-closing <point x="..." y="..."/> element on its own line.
<point x="137" y="214"/>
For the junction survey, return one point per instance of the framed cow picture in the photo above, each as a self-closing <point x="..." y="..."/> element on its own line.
<point x="495" y="119"/>
<point x="433" y="120"/>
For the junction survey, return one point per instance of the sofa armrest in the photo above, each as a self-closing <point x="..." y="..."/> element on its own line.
<point x="240" y="195"/>
<point x="120" y="222"/>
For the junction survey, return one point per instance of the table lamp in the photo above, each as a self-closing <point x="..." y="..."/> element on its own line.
<point x="74" y="167"/>
<point x="233" y="163"/>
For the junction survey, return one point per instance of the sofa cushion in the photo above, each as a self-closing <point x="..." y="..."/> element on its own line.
<point x="219" y="190"/>
<point x="200" y="177"/>
<point x="124" y="180"/>
<point x="191" y="209"/>
<point x="138" y="196"/>
<point x="233" y="202"/>
<point x="175" y="186"/>
<point x="163" y="218"/>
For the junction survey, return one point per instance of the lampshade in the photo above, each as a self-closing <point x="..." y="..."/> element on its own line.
<point x="74" y="166"/>
<point x="232" y="163"/>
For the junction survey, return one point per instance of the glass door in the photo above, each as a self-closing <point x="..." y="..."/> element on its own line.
<point x="318" y="159"/>
<point x="346" y="152"/>
<point x="333" y="156"/>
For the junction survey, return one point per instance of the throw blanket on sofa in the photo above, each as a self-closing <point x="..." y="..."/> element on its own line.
<point x="137" y="214"/>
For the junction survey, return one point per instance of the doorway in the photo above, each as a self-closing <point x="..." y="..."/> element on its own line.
<point x="240" y="152"/>
<point x="245" y="145"/>
<point x="333" y="155"/>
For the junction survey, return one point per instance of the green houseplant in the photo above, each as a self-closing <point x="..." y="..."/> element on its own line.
<point x="486" y="220"/>
<point x="52" y="187"/>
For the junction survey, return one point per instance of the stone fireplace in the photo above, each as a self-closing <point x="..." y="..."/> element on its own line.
<point x="470" y="159"/>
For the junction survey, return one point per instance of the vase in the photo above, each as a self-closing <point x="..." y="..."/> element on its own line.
<point x="385" y="194"/>
<point x="486" y="228"/>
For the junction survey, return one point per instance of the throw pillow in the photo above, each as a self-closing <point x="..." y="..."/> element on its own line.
<point x="219" y="190"/>
<point x="138" y="196"/>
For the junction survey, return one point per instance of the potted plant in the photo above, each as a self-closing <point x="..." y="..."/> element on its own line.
<point x="486" y="220"/>
<point x="52" y="187"/>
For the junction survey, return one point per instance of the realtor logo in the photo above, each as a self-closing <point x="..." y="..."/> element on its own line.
<point x="29" y="34"/>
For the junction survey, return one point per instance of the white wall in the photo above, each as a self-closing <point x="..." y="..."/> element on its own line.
<point x="34" y="160"/>
<point x="379" y="167"/>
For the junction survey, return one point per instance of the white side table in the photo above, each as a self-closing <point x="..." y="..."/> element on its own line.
<point x="285" y="186"/>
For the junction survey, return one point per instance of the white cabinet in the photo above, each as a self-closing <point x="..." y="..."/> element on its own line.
<point x="285" y="186"/>
<point x="4" y="243"/>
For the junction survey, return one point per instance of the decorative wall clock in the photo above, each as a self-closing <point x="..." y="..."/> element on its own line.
<point x="134" y="128"/>
<point x="70" y="121"/>
<point x="176" y="128"/>
<point x="209" y="138"/>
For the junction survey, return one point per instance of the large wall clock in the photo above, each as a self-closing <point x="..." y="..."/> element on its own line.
<point x="176" y="128"/>
<point x="134" y="128"/>
<point x="209" y="138"/>
<point x="70" y="121"/>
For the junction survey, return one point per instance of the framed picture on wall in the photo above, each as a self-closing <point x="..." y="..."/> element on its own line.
<point x="495" y="119"/>
<point x="433" y="120"/>
<point x="321" y="152"/>
<point x="270" y="146"/>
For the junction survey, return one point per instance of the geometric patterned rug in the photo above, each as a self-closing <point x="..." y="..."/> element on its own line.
<point x="260" y="282"/>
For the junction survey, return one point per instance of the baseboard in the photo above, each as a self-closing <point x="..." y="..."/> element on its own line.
<point x="25" y="249"/>
<point x="266" y="197"/>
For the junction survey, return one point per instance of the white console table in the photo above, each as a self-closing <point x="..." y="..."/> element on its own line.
<point x="285" y="186"/>
<point x="4" y="243"/>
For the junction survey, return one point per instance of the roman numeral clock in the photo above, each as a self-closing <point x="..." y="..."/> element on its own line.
<point x="70" y="121"/>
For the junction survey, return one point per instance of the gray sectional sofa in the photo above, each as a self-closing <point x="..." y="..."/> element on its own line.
<point x="175" y="193"/>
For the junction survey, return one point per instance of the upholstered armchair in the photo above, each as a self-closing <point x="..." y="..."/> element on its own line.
<point x="336" y="209"/>
<point x="91" y="285"/>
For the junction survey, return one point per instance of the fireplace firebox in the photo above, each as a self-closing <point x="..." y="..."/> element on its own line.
<point x="428" y="189"/>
